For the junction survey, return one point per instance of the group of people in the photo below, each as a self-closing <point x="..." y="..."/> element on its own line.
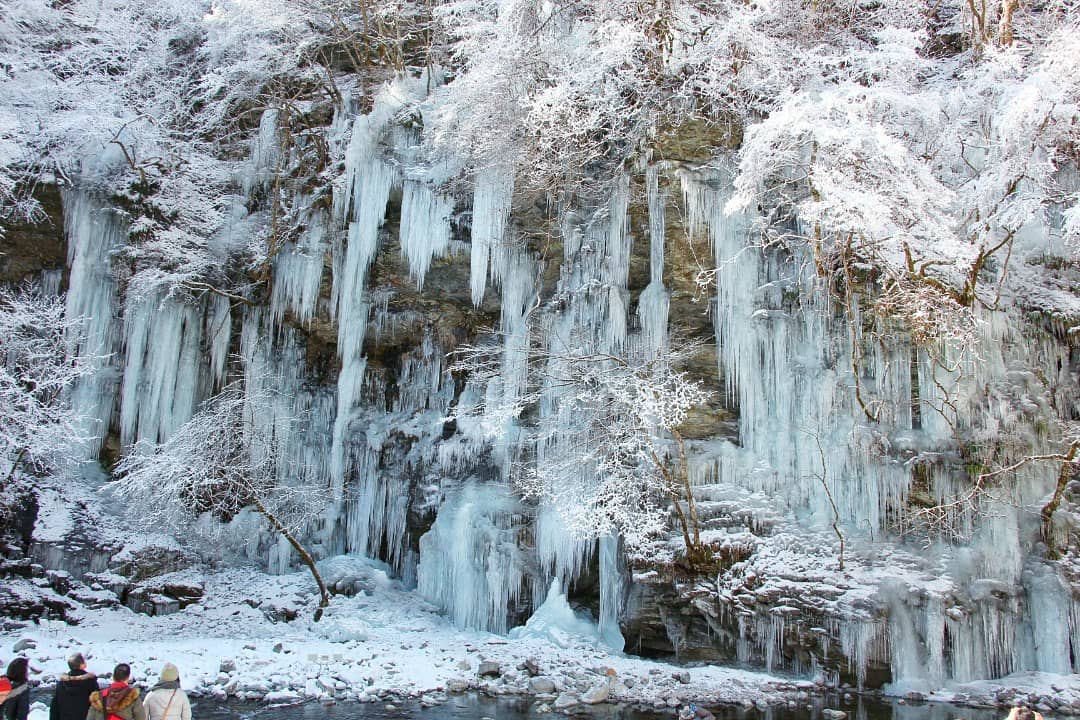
<point x="79" y="696"/>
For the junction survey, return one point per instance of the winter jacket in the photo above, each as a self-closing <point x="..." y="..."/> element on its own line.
<point x="17" y="705"/>
<point x="71" y="698"/>
<point x="167" y="695"/>
<point x="118" y="699"/>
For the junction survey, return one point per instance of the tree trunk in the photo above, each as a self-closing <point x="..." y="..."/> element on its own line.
<point x="305" y="556"/>
<point x="1005" y="24"/>
<point x="684" y="477"/>
<point x="683" y="524"/>
<point x="1051" y="507"/>
<point x="14" y="467"/>
<point x="689" y="526"/>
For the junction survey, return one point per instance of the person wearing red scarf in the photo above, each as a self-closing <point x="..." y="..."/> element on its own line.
<point x="119" y="701"/>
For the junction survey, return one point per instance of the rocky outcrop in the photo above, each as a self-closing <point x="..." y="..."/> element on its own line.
<point x="28" y="249"/>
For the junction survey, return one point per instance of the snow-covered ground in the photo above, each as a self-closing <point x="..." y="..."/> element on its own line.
<point x="385" y="642"/>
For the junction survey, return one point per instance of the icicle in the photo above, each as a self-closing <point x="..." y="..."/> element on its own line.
<point x="219" y="331"/>
<point x="371" y="193"/>
<point x="377" y="513"/>
<point x="616" y="264"/>
<point x="653" y="305"/>
<point x="298" y="270"/>
<point x="611" y="593"/>
<point x="424" y="382"/>
<point x="368" y="182"/>
<point x="860" y="642"/>
<point x="425" y="227"/>
<point x="50" y="282"/>
<point x="470" y="564"/>
<point x="291" y="411"/>
<point x="491" y="210"/>
<point x="618" y="240"/>
<point x="657" y="225"/>
<point x="935" y="640"/>
<point x="162" y="367"/>
<point x="518" y="297"/>
<point x="94" y="232"/>
<point x="265" y="152"/>
<point x="1049" y="605"/>
<point x="562" y="555"/>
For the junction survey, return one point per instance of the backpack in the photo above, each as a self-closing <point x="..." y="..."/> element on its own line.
<point x="108" y="715"/>
<point x="5" y="689"/>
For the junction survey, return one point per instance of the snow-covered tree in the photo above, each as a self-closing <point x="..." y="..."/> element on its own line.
<point x="220" y="462"/>
<point x="608" y="453"/>
<point x="39" y="429"/>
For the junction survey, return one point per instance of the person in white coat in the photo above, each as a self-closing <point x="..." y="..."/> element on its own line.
<point x="166" y="701"/>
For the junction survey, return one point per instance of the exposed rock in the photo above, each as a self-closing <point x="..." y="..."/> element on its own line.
<point x="566" y="700"/>
<point x="541" y="686"/>
<point x="683" y="677"/>
<point x="597" y="694"/>
<point x="280" y="612"/>
<point x="228" y="665"/>
<point x="24" y="644"/>
<point x="151" y="561"/>
<point x="281" y="696"/>
<point x="23" y="568"/>
<point x="28" y="249"/>
<point x="617" y="687"/>
<point x="489" y="669"/>
<point x="430" y="701"/>
<point x="532" y="667"/>
<point x="22" y="600"/>
<point x="165" y="595"/>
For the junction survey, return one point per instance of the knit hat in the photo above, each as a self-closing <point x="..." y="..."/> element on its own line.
<point x="169" y="673"/>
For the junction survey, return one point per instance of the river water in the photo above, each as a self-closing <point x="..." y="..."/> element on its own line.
<point x="480" y="707"/>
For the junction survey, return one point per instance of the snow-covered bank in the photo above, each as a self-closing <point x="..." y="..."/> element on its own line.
<point x="386" y="643"/>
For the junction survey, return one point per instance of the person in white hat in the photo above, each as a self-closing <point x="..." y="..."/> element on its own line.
<point x="166" y="701"/>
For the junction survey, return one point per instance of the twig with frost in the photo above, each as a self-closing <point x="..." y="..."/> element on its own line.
<point x="224" y="459"/>
<point x="823" y="479"/>
<point x="606" y="446"/>
<point x="941" y="516"/>
<point x="40" y="428"/>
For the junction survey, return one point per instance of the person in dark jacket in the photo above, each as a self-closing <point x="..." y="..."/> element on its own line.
<point x="17" y="705"/>
<point x="71" y="699"/>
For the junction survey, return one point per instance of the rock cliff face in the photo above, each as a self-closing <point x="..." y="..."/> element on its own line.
<point x="826" y="432"/>
<point x="32" y="248"/>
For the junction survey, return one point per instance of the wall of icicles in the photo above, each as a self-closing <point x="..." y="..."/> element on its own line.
<point x="377" y="439"/>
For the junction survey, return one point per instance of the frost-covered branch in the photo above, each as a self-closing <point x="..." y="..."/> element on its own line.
<point x="39" y="428"/>
<point x="940" y="517"/>
<point x="220" y="462"/>
<point x="608" y="455"/>
<point x="39" y="425"/>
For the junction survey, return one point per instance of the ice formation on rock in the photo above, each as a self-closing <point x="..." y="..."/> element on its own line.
<point x="399" y="477"/>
